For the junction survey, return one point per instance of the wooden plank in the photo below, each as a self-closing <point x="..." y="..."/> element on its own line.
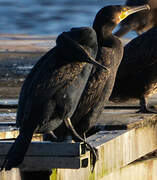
<point x="9" y="134"/>
<point x="121" y="150"/>
<point x="116" y="150"/>
<point x="126" y="117"/>
<point x="14" y="174"/>
<point x="47" y="148"/>
<point x="140" y="170"/>
<point x="116" y="154"/>
<point x="14" y="133"/>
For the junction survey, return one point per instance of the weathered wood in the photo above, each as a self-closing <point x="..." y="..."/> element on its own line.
<point x="14" y="174"/>
<point x="9" y="134"/>
<point x="142" y="170"/>
<point x="116" y="150"/>
<point x="126" y="117"/>
<point x="119" y="147"/>
<point x="14" y="134"/>
<point x="126" y="148"/>
<point x="139" y="170"/>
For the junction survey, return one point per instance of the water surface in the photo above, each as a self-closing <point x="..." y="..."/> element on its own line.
<point x="49" y="17"/>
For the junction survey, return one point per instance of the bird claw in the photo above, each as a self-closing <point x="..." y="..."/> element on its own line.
<point x="94" y="157"/>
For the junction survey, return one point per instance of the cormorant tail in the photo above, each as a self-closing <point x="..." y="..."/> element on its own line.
<point x="17" y="151"/>
<point x="93" y="150"/>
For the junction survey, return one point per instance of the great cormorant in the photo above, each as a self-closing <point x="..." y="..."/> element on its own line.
<point x="141" y="21"/>
<point x="100" y="83"/>
<point x="52" y="89"/>
<point x="50" y="93"/>
<point x="137" y="73"/>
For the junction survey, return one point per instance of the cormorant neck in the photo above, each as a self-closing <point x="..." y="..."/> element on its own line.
<point x="104" y="34"/>
<point x="106" y="39"/>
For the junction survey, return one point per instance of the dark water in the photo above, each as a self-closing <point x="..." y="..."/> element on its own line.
<point x="48" y="17"/>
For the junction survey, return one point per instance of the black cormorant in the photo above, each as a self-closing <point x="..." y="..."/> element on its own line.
<point x="137" y="73"/>
<point x="51" y="91"/>
<point x="100" y="83"/>
<point x="140" y="21"/>
<point x="53" y="88"/>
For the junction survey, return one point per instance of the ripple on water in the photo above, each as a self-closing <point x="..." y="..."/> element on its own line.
<point x="48" y="17"/>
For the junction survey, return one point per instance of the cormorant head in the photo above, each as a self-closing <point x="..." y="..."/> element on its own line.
<point x="79" y="45"/>
<point x="139" y="21"/>
<point x="108" y="17"/>
<point x="87" y="38"/>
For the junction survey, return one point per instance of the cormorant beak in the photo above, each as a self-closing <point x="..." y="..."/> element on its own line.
<point x="94" y="62"/>
<point x="79" y="52"/>
<point x="127" y="10"/>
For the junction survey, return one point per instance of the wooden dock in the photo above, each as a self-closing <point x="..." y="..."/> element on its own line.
<point x="126" y="141"/>
<point x="121" y="153"/>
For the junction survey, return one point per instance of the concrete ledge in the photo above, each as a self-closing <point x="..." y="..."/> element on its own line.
<point x="142" y="170"/>
<point x="117" y="149"/>
<point x="24" y="43"/>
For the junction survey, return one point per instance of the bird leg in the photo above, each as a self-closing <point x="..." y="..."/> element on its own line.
<point x="50" y="136"/>
<point x="68" y="138"/>
<point x="144" y="106"/>
<point x="92" y="149"/>
<point x="84" y="136"/>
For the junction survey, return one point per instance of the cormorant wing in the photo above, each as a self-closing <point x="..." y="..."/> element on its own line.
<point x="139" y="54"/>
<point x="27" y="86"/>
<point x="92" y="91"/>
<point x="44" y="80"/>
